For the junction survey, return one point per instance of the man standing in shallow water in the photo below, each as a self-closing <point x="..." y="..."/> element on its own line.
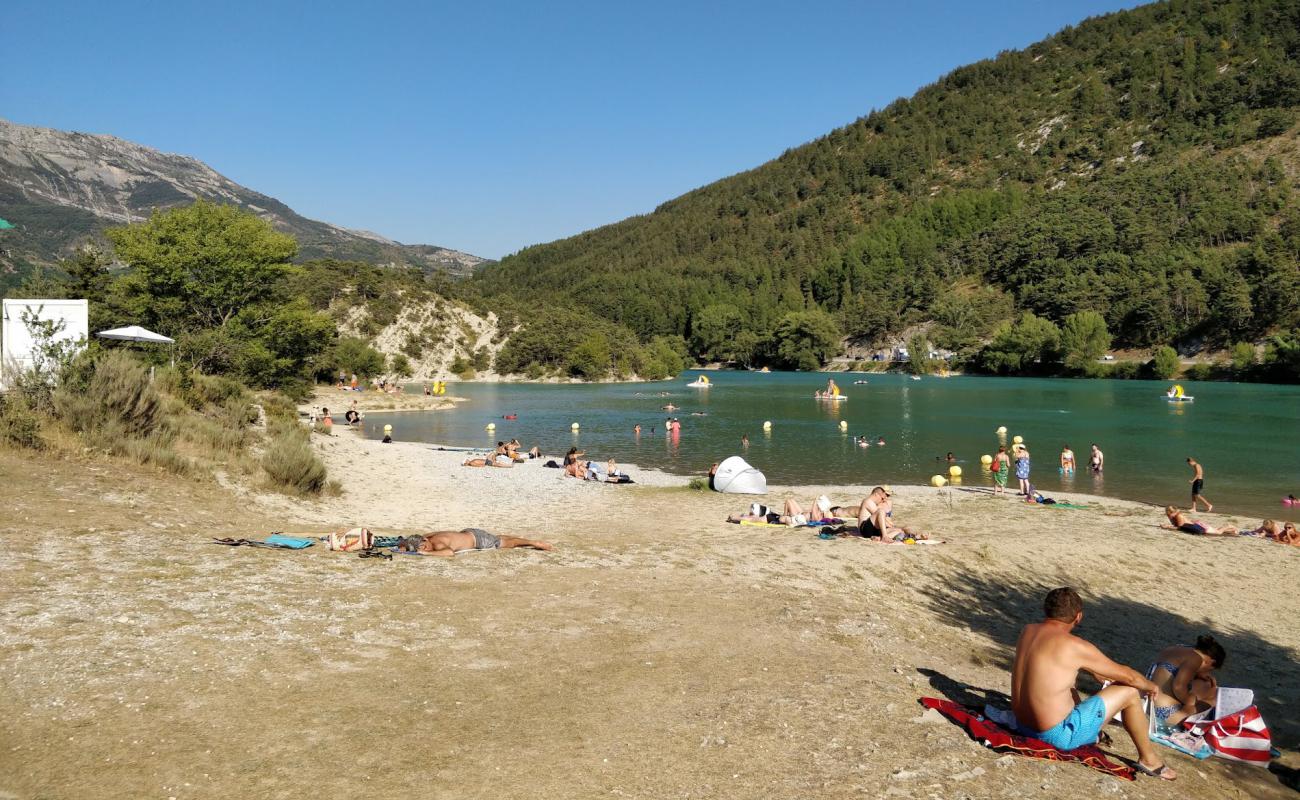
<point x="1045" y="702"/>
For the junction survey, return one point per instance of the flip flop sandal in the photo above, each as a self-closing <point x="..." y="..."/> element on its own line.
<point x="372" y="553"/>
<point x="1155" y="773"/>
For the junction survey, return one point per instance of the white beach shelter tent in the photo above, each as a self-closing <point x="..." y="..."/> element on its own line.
<point x="134" y="333"/>
<point x="736" y="476"/>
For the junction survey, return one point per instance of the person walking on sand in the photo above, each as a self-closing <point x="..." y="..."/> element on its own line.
<point x="1198" y="483"/>
<point x="1043" y="696"/>
<point x="1001" y="469"/>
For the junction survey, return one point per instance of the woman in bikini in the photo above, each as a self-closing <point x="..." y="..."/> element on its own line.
<point x="1178" y="521"/>
<point x="1185" y="677"/>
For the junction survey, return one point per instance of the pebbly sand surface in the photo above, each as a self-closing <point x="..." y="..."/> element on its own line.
<point x="658" y="652"/>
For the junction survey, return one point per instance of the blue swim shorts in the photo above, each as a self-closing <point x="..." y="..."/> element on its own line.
<point x="1080" y="727"/>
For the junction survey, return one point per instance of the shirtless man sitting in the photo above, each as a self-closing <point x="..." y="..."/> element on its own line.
<point x="448" y="543"/>
<point x="874" y="519"/>
<point x="1045" y="702"/>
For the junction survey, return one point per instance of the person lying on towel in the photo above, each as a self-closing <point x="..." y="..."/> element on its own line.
<point x="449" y="543"/>
<point x="791" y="514"/>
<point x="1045" y="702"/>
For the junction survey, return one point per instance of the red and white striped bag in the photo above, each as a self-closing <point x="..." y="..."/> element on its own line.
<point x="1242" y="736"/>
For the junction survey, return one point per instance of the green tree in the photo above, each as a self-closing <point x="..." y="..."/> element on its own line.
<point x="918" y="355"/>
<point x="1084" y="339"/>
<point x="353" y="355"/>
<point x="806" y="339"/>
<point x="198" y="266"/>
<point x="713" y="332"/>
<point x="1027" y="345"/>
<point x="1243" y="357"/>
<point x="591" y="358"/>
<point x="400" y="365"/>
<point x="1165" y="363"/>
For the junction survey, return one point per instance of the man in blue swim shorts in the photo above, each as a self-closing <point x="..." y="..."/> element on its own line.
<point x="1046" y="704"/>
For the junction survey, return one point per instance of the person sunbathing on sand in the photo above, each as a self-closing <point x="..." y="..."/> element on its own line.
<point x="449" y="543"/>
<point x="792" y="513"/>
<point x="1043" y="698"/>
<point x="1178" y="521"/>
<point x="483" y="461"/>
<point x="874" y="519"/>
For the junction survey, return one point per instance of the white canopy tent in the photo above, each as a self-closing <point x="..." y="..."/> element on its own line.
<point x="736" y="476"/>
<point x="134" y="333"/>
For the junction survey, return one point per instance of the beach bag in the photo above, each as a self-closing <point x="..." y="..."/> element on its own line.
<point x="1242" y="736"/>
<point x="352" y="541"/>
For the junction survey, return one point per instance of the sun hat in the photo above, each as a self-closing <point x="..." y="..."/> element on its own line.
<point x="888" y="490"/>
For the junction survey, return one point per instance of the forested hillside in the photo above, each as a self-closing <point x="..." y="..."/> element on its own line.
<point x="1141" y="165"/>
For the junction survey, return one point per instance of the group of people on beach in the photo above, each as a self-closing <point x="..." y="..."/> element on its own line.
<point x="505" y="455"/>
<point x="874" y="517"/>
<point x="1046" y="705"/>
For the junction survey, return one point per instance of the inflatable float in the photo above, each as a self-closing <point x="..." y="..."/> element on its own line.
<point x="1175" y="395"/>
<point x="701" y="382"/>
<point x="831" y="398"/>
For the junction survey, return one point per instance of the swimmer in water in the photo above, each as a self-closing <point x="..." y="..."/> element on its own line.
<point x="880" y="441"/>
<point x="669" y="407"/>
<point x="744" y="440"/>
<point x="637" y="429"/>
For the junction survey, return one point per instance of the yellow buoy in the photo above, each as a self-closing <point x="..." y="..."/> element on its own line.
<point x="938" y="480"/>
<point x="954" y="471"/>
<point x="844" y="425"/>
<point x="388" y="429"/>
<point x="1016" y="440"/>
<point x="986" y="460"/>
<point x="491" y="426"/>
<point x="1002" y="430"/>
<point x="767" y="425"/>
<point x="574" y="426"/>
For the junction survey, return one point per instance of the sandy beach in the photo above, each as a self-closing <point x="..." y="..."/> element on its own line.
<point x="657" y="652"/>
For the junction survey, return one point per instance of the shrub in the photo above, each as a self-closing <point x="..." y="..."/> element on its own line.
<point x="400" y="365"/>
<point x="19" y="425"/>
<point x="1125" y="370"/>
<point x="291" y="464"/>
<point x="1243" y="357"/>
<point x="119" y="392"/>
<point x="697" y="484"/>
<point x="1199" y="372"/>
<point x="1164" y="363"/>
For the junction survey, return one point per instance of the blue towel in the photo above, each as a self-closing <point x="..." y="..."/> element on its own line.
<point x="291" y="542"/>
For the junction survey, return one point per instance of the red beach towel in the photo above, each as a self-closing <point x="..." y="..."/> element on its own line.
<point x="995" y="737"/>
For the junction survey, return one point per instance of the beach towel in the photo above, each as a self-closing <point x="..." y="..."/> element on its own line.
<point x="291" y="542"/>
<point x="995" y="737"/>
<point x="267" y="544"/>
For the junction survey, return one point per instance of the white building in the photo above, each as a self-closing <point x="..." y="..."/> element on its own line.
<point x="16" y="344"/>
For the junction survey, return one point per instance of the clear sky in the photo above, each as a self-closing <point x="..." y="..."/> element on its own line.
<point x="487" y="126"/>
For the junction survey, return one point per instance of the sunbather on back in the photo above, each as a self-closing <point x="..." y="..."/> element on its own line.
<point x="448" y="543"/>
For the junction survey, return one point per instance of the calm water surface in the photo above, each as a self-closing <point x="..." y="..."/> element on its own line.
<point x="1246" y="435"/>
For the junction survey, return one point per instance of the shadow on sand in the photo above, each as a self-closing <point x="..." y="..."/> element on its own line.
<point x="1128" y="631"/>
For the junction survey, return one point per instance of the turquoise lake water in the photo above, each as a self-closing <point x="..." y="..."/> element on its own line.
<point x="1246" y="435"/>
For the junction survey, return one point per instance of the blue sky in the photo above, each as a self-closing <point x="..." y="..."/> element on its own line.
<point x="487" y="126"/>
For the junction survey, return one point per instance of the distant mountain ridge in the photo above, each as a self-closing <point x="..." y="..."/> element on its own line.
<point x="60" y="189"/>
